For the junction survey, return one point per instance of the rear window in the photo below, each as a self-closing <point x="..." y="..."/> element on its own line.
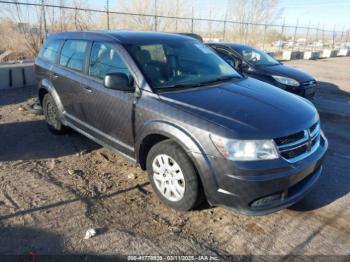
<point x="49" y="52"/>
<point x="73" y="54"/>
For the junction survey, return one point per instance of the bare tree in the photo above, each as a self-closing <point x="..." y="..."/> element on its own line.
<point x="252" y="12"/>
<point x="153" y="8"/>
<point x="28" y="24"/>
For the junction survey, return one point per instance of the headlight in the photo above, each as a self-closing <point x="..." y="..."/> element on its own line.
<point x="245" y="150"/>
<point x="286" y="80"/>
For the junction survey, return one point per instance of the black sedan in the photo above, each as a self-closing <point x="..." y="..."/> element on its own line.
<point x="258" y="64"/>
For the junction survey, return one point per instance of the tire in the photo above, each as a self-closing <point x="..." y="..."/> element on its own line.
<point x="52" y="116"/>
<point x="181" y="194"/>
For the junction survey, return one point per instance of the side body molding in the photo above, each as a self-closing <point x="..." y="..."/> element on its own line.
<point x="191" y="146"/>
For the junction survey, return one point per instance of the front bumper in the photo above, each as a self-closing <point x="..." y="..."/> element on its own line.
<point x="262" y="187"/>
<point x="304" y="91"/>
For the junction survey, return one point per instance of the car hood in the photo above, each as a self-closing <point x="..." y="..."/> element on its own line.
<point x="288" y="71"/>
<point x="248" y="108"/>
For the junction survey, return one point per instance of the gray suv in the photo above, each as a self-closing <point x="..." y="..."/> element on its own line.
<point x="171" y="104"/>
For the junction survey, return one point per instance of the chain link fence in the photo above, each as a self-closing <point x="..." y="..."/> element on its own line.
<point x="37" y="19"/>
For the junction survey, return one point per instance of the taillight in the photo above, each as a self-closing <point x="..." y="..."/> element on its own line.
<point x="34" y="67"/>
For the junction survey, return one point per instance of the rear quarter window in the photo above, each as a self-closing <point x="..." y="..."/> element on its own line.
<point x="73" y="54"/>
<point x="50" y="51"/>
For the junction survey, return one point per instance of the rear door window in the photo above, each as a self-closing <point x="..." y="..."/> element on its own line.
<point x="73" y="54"/>
<point x="104" y="59"/>
<point x="49" y="52"/>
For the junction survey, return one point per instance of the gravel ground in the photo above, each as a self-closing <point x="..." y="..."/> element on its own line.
<point x="54" y="188"/>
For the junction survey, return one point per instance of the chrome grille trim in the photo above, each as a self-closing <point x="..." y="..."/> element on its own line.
<point x="289" y="146"/>
<point x="310" y="135"/>
<point x="309" y="83"/>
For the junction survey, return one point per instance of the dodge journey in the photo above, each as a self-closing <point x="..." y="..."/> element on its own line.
<point x="171" y="104"/>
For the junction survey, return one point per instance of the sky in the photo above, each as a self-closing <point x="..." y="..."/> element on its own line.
<point x="330" y="13"/>
<point x="327" y="13"/>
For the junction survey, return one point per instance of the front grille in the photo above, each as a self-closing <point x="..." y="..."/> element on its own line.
<point x="299" y="145"/>
<point x="295" y="152"/>
<point x="313" y="127"/>
<point x="308" y="83"/>
<point x="288" y="139"/>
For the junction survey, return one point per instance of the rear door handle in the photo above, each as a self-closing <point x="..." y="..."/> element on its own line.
<point x="55" y="76"/>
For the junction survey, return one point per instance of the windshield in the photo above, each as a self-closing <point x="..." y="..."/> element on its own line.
<point x="257" y="57"/>
<point x="180" y="64"/>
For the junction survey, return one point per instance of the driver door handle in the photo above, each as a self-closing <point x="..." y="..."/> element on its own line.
<point x="88" y="89"/>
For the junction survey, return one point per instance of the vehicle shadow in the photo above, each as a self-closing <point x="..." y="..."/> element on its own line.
<point x="32" y="140"/>
<point x="334" y="183"/>
<point x="31" y="244"/>
<point x="17" y="95"/>
<point x="327" y="88"/>
<point x="89" y="201"/>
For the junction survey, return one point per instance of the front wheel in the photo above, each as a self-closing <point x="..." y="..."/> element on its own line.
<point x="173" y="176"/>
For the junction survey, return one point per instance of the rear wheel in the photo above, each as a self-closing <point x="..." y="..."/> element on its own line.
<point x="52" y="116"/>
<point x="173" y="176"/>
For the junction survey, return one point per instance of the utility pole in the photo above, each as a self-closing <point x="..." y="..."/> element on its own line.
<point x="44" y="17"/>
<point x="107" y="7"/>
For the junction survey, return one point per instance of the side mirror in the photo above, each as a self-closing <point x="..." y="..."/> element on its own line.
<point x="246" y="67"/>
<point x="119" y="81"/>
<point x="231" y="62"/>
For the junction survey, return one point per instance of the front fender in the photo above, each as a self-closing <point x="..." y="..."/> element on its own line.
<point x="191" y="146"/>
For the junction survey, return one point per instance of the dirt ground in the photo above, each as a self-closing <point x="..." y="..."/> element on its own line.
<point x="54" y="188"/>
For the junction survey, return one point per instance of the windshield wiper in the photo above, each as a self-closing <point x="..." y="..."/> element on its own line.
<point x="193" y="85"/>
<point x="179" y="86"/>
<point x="219" y="79"/>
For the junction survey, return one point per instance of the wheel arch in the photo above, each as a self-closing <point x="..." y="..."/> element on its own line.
<point x="45" y="86"/>
<point x="157" y="131"/>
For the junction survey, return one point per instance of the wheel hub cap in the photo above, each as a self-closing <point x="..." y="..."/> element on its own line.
<point x="168" y="177"/>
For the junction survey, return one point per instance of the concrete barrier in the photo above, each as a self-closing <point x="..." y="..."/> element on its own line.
<point x="327" y="53"/>
<point x="291" y="55"/>
<point x="16" y="75"/>
<point x="310" y="55"/>
<point x="4" y="78"/>
<point x="344" y="52"/>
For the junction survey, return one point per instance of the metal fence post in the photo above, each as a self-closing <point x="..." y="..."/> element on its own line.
<point x="265" y="28"/>
<point x="246" y="33"/>
<point x="108" y="26"/>
<point x="316" y="40"/>
<point x="44" y="17"/>
<point x="333" y="37"/>
<point x="307" y="36"/>
<point x="192" y="20"/>
<point x="155" y="16"/>
<point x="323" y="36"/>
<point x="224" y="30"/>
<point x="282" y="32"/>
<point x="295" y="34"/>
